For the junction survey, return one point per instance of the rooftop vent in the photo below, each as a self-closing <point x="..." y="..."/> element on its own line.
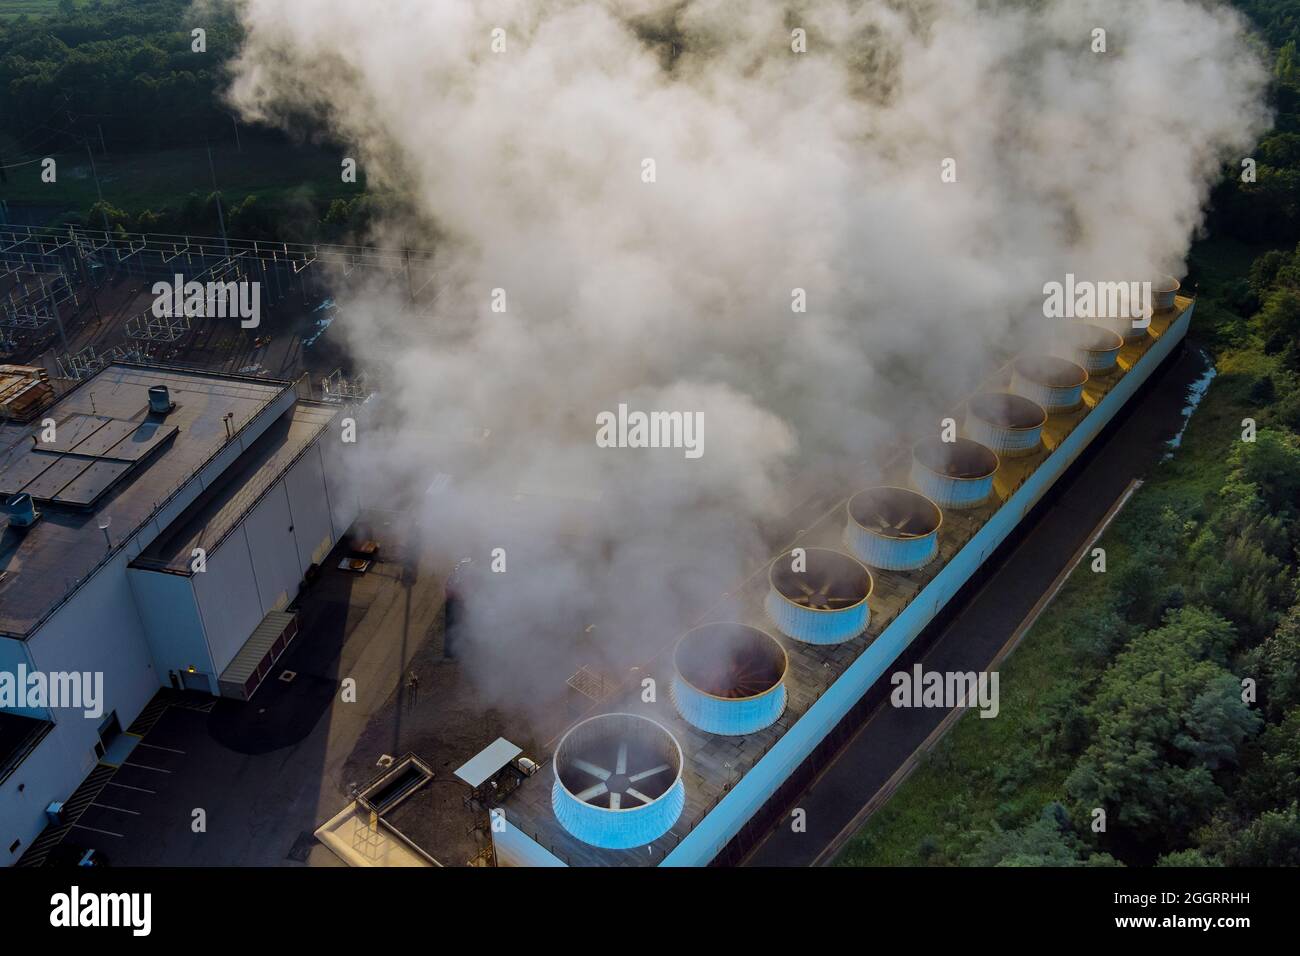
<point x="819" y="597"/>
<point x="1009" y="424"/>
<point x="730" y="678"/>
<point x="618" y="781"/>
<point x="160" y="400"/>
<point x="1054" y="383"/>
<point x="1094" y="347"/>
<point x="22" y="511"/>
<point x="893" y="528"/>
<point x="957" y="474"/>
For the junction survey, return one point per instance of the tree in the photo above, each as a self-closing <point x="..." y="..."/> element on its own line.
<point x="1167" y="714"/>
<point x="1275" y="664"/>
<point x="1271" y="839"/>
<point x="1048" y="841"/>
<point x="1186" y="858"/>
<point x="1270" y="776"/>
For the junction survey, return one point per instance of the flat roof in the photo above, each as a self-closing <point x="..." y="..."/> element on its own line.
<point x="488" y="761"/>
<point x="221" y="506"/>
<point x="41" y="565"/>
<point x="714" y="764"/>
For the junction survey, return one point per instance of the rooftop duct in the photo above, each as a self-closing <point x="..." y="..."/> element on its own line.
<point x="1054" y="383"/>
<point x="819" y="598"/>
<point x="618" y="781"/>
<point x="22" y="511"/>
<point x="893" y="528"/>
<point x="730" y="678"/>
<point x="1094" y="347"/>
<point x="1010" y="425"/>
<point x="160" y="401"/>
<point x="956" y="474"/>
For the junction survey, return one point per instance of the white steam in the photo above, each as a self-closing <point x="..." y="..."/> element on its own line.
<point x="775" y="171"/>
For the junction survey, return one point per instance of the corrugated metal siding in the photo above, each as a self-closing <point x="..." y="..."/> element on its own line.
<point x="951" y="492"/>
<point x="891" y="554"/>
<point x="730" y="717"/>
<point x="815" y="626"/>
<point x="261" y="643"/>
<point x="1007" y="442"/>
<point x="1051" y="397"/>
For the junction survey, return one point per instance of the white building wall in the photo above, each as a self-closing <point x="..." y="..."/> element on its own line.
<point x="337" y="459"/>
<point x="270" y="529"/>
<point x="97" y="631"/>
<point x="44" y="776"/>
<point x="173" y="627"/>
<point x="12" y="654"/>
<point x="308" y="498"/>
<point x="228" y="602"/>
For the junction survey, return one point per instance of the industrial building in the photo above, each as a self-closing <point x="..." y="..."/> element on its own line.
<point x="160" y="522"/>
<point x="675" y="778"/>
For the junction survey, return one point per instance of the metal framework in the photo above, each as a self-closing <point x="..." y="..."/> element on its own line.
<point x="33" y="300"/>
<point x="336" y="388"/>
<point x="31" y="246"/>
<point x="88" y="361"/>
<point x="49" y="265"/>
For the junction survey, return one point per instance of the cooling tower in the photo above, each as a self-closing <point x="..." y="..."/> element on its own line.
<point x="823" y="600"/>
<point x="618" y="781"/>
<point x="1054" y="383"/>
<point x="893" y="528"/>
<point x="1009" y="424"/>
<point x="955" y="474"/>
<point x="730" y="678"/>
<point x="1164" y="291"/>
<point x="1094" y="347"/>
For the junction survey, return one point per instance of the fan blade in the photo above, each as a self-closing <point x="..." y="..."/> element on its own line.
<point x="647" y="773"/>
<point x="600" y="773"/>
<point x="621" y="765"/>
<point x="633" y="792"/>
<point x="615" y="801"/>
<point x="592" y="792"/>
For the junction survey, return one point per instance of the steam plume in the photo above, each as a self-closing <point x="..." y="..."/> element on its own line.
<point x="775" y="171"/>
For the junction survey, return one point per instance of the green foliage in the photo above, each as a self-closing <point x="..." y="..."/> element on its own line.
<point x="1271" y="767"/>
<point x="1186" y="858"/>
<point x="1049" y="840"/>
<point x="1275" y="664"/>
<point x="1167" y="714"/>
<point x="1271" y="839"/>
<point x="126" y="66"/>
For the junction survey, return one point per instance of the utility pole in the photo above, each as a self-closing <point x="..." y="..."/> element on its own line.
<point x="102" y="147"/>
<point x="95" y="173"/>
<point x="238" y="146"/>
<point x="221" y="219"/>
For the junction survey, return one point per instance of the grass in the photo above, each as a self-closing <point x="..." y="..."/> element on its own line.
<point x="1000" y="771"/>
